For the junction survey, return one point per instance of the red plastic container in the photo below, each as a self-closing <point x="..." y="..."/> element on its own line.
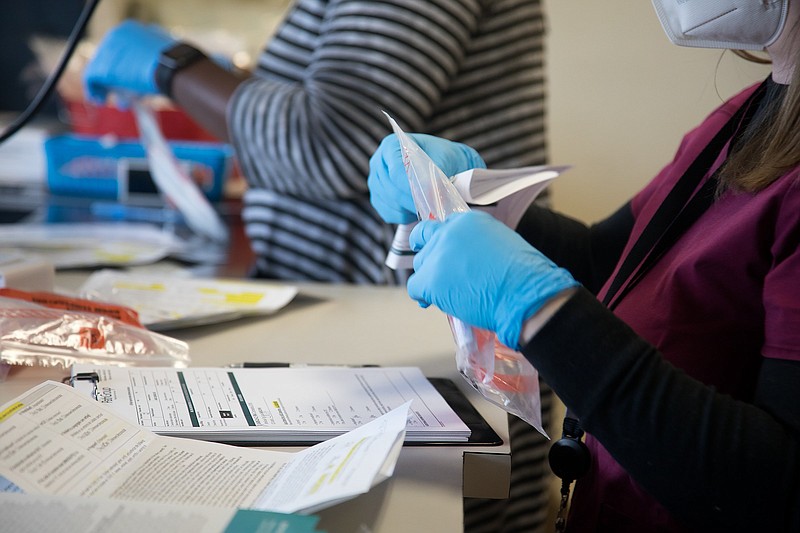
<point x="87" y="118"/>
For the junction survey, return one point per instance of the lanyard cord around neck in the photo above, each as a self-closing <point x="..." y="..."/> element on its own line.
<point x="686" y="202"/>
<point x="682" y="206"/>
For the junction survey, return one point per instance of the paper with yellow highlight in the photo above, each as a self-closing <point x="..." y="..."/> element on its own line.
<point x="56" y="441"/>
<point x="167" y="302"/>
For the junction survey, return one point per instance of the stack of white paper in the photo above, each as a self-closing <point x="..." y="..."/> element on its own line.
<point x="272" y="405"/>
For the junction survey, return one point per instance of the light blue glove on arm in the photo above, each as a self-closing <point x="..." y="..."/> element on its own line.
<point x="389" y="190"/>
<point x="126" y="60"/>
<point x="473" y="267"/>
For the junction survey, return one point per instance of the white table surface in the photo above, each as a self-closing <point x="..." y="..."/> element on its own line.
<point x="356" y="325"/>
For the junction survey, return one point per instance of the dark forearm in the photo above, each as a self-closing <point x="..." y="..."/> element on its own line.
<point x="203" y="90"/>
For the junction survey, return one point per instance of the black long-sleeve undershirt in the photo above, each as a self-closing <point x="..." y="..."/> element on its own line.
<point x="589" y="253"/>
<point x="713" y="461"/>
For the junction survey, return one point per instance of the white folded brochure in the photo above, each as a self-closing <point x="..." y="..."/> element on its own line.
<point x="503" y="193"/>
<point x="76" y="446"/>
<point x="29" y="513"/>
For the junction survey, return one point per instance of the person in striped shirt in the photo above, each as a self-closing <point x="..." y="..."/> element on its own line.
<point x="307" y="118"/>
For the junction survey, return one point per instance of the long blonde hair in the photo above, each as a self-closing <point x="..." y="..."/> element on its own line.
<point x="772" y="148"/>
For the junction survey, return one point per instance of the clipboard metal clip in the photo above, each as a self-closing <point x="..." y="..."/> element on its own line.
<point x="84" y="381"/>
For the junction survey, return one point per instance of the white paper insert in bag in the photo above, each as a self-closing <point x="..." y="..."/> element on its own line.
<point x="503" y="193"/>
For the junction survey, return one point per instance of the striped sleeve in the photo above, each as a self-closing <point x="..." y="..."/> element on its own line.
<point x="318" y="240"/>
<point x="307" y="121"/>
<point x="309" y="126"/>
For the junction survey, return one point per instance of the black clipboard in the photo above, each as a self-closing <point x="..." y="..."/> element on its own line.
<point x="481" y="434"/>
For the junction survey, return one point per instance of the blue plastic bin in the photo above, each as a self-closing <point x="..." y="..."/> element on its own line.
<point x="90" y="167"/>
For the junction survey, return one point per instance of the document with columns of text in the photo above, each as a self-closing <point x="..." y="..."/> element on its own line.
<point x="29" y="513"/>
<point x="56" y="441"/>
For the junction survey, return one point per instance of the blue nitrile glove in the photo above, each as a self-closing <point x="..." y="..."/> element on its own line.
<point x="126" y="61"/>
<point x="389" y="190"/>
<point x="475" y="268"/>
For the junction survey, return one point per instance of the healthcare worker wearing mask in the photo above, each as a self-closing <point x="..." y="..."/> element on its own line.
<point x="671" y="330"/>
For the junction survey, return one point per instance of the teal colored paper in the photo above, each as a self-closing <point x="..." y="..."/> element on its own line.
<point x="249" y="521"/>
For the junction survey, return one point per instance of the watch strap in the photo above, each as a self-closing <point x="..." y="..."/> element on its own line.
<point x="172" y="60"/>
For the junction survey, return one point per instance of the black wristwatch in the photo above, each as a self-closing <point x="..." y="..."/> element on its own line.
<point x="172" y="60"/>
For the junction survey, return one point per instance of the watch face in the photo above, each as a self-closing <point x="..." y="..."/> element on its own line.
<point x="181" y="55"/>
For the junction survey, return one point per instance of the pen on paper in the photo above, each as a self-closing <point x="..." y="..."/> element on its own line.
<point x="256" y="364"/>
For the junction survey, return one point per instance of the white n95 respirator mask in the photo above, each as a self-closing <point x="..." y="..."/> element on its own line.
<point x="735" y="24"/>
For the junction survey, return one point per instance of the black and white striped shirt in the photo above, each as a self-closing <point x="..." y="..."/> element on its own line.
<point x="305" y="125"/>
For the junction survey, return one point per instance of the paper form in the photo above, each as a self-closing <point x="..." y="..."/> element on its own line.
<point x="25" y="513"/>
<point x="273" y="404"/>
<point x="56" y="441"/>
<point x="73" y="245"/>
<point x="168" y="302"/>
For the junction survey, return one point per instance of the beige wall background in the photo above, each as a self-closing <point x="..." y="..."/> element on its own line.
<point x="621" y="96"/>
<point x="227" y="27"/>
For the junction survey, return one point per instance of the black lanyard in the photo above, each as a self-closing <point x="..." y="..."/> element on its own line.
<point x="682" y="206"/>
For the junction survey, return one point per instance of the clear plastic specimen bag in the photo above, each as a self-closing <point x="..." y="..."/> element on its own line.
<point x="502" y="376"/>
